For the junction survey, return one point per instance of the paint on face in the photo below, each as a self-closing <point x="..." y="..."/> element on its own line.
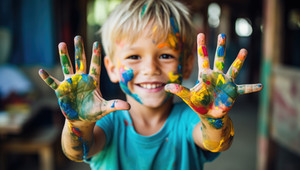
<point x="126" y="76"/>
<point x="174" y="40"/>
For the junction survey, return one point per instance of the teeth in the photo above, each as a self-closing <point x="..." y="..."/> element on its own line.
<point x="150" y="86"/>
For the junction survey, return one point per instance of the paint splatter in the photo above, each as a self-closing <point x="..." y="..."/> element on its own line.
<point x="217" y="123"/>
<point x="126" y="76"/>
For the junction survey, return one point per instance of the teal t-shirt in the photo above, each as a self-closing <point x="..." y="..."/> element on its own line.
<point x="170" y="148"/>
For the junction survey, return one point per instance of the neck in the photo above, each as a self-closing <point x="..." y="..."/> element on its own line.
<point x="149" y="120"/>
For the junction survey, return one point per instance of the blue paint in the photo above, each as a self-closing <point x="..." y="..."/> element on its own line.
<point x="71" y="113"/>
<point x="217" y="123"/>
<point x="113" y="105"/>
<point x="197" y="82"/>
<point x="174" y="25"/>
<point x="69" y="80"/>
<point x="223" y="36"/>
<point x="221" y="51"/>
<point x="85" y="77"/>
<point x="126" y="76"/>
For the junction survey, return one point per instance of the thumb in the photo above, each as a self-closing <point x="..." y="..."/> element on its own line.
<point x="179" y="90"/>
<point x="113" y="105"/>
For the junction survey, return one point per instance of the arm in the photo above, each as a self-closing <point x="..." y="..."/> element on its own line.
<point x="213" y="96"/>
<point x="81" y="102"/>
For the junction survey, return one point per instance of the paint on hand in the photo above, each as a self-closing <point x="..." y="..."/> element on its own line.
<point x="65" y="63"/>
<point x="75" y="97"/>
<point x="79" y="52"/>
<point x="126" y="76"/>
<point x="220" y="65"/>
<point x="77" y="135"/>
<point x="217" y="123"/>
<point x="45" y="76"/>
<point x="202" y="51"/>
<point x="221" y="51"/>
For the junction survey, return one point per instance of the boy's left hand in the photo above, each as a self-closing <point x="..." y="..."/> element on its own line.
<point x="215" y="92"/>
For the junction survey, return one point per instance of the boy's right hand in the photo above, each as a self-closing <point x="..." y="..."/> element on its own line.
<point x="79" y="96"/>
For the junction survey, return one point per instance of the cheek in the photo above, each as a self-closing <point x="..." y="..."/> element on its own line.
<point x="126" y="74"/>
<point x="176" y="75"/>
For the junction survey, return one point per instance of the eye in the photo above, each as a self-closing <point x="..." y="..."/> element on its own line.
<point x="133" y="57"/>
<point x="166" y="56"/>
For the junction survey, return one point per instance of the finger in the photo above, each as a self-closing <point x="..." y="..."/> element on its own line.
<point x="236" y="66"/>
<point x="65" y="60"/>
<point x="95" y="67"/>
<point x="80" y="59"/>
<point x="51" y="81"/>
<point x="220" y="53"/>
<point x="249" y="88"/>
<point x="203" y="61"/>
<point x="179" y="90"/>
<point x="113" y="105"/>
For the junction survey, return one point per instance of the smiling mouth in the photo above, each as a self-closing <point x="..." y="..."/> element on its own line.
<point x="151" y="85"/>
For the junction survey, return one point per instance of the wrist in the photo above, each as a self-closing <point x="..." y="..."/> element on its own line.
<point x="217" y="123"/>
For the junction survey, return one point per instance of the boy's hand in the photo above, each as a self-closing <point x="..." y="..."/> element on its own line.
<point x="215" y="92"/>
<point x="78" y="95"/>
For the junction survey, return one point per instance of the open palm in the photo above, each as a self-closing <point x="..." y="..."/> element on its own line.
<point x="215" y="92"/>
<point x="78" y="95"/>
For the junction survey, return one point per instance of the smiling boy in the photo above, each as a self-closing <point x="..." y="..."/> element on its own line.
<point x="148" y="47"/>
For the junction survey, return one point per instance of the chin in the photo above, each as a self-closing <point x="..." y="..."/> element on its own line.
<point x="156" y="102"/>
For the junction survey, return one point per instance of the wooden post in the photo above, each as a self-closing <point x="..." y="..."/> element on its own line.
<point x="272" y="17"/>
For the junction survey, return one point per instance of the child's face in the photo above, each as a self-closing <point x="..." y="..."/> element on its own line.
<point x="144" y="68"/>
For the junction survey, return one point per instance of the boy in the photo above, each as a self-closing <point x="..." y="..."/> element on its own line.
<point x="148" y="47"/>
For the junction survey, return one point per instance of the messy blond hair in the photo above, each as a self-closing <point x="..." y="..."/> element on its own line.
<point x="130" y="18"/>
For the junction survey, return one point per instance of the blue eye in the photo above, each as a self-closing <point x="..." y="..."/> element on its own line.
<point x="166" y="56"/>
<point x="133" y="57"/>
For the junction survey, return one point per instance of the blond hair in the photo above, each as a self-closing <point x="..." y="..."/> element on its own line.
<point x="130" y="18"/>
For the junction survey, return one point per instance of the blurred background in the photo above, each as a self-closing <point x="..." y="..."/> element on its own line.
<point x="267" y="124"/>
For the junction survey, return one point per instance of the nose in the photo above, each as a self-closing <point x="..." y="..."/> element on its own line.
<point x="151" y="67"/>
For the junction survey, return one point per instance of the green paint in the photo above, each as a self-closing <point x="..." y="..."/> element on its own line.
<point x="144" y="9"/>
<point x="94" y="72"/>
<point x="220" y="65"/>
<point x="65" y="63"/>
<point x="49" y="80"/>
<point x="54" y="86"/>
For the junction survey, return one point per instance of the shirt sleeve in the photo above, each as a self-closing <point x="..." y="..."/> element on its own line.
<point x="107" y="125"/>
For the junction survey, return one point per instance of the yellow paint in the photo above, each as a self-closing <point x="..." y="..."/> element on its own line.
<point x="219" y="65"/>
<point x="213" y="146"/>
<point x="237" y="64"/>
<point x="200" y="51"/>
<point x="173" y="77"/>
<point x="220" y="78"/>
<point x="205" y="64"/>
<point x="198" y="96"/>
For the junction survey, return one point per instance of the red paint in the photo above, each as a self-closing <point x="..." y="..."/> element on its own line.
<point x="204" y="51"/>
<point x="208" y="82"/>
<point x="202" y="110"/>
<point x="77" y="132"/>
<point x="126" y="122"/>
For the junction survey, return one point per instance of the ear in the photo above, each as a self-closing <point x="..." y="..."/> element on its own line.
<point x="188" y="66"/>
<point x="111" y="69"/>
